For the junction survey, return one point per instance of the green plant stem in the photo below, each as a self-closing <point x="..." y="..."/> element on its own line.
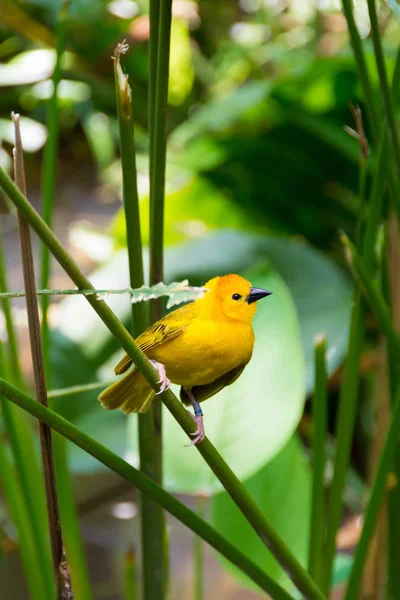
<point x="161" y="15"/>
<point x="70" y="522"/>
<point x="151" y="513"/>
<point x="49" y="174"/>
<point x="198" y="555"/>
<point x="154" y="18"/>
<point x="361" y="63"/>
<point x="390" y="101"/>
<point x="146" y="485"/>
<point x="372" y="295"/>
<point x="319" y="411"/>
<point x="159" y="150"/>
<point x="228" y="479"/>
<point x="374" y="116"/>
<point x="375" y="501"/>
<point x="383" y="315"/>
<point x="384" y="82"/>
<point x="350" y="383"/>
<point x="130" y="579"/>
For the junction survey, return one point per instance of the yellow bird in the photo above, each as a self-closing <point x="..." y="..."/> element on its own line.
<point x="202" y="346"/>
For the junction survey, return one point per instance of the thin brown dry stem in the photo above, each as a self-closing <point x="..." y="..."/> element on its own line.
<point x="61" y="570"/>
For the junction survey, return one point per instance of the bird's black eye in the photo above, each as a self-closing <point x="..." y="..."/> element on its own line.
<point x="236" y="297"/>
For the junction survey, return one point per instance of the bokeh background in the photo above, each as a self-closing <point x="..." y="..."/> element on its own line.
<point x="261" y="176"/>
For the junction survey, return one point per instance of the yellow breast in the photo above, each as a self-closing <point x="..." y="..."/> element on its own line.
<point x="204" y="351"/>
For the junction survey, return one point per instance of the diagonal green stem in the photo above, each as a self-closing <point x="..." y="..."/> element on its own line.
<point x="225" y="475"/>
<point x="146" y="485"/>
<point x="151" y="513"/>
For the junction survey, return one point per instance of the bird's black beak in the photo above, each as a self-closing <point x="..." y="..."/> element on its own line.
<point x="257" y="294"/>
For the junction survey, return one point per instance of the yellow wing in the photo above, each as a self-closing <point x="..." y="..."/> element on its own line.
<point x="162" y="331"/>
<point x="203" y="392"/>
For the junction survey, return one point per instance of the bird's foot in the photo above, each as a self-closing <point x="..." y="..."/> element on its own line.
<point x="199" y="433"/>
<point x="164" y="382"/>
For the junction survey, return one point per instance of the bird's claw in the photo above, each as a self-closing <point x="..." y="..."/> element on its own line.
<point x="199" y="433"/>
<point x="164" y="382"/>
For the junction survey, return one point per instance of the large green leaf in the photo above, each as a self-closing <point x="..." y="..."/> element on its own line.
<point x="282" y="490"/>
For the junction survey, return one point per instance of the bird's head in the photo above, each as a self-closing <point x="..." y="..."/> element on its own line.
<point x="232" y="297"/>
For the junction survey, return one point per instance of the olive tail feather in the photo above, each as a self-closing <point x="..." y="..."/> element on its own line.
<point x="131" y="393"/>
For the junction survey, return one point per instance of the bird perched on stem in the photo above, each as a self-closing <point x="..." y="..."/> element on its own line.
<point x="203" y="347"/>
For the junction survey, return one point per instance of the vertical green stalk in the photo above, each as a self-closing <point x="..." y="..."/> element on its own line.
<point x="154" y="17"/>
<point x="161" y="15"/>
<point x="70" y="522"/>
<point x="198" y="554"/>
<point x="373" y="111"/>
<point x="389" y="100"/>
<point x="151" y="513"/>
<point x="159" y="152"/>
<point x="382" y="313"/>
<point x="384" y="82"/>
<point x="361" y="64"/>
<point x="130" y="579"/>
<point x="319" y="411"/>
<point x="49" y="175"/>
<point x="375" y="501"/>
<point x="350" y="383"/>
